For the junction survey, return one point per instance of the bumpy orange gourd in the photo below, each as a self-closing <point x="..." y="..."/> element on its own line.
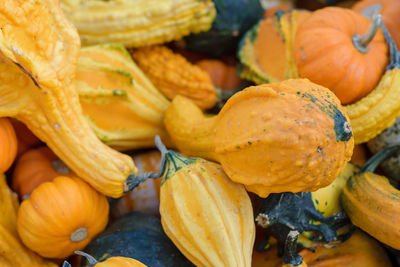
<point x="291" y="136"/>
<point x="35" y="167"/>
<point x="8" y="144"/>
<point x="328" y="53"/>
<point x="145" y="197"/>
<point x="389" y="9"/>
<point x="222" y="75"/>
<point x="61" y="216"/>
<point x="173" y="75"/>
<point x="36" y="76"/>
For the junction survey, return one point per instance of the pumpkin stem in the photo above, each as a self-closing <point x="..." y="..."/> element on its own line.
<point x="79" y="235"/>
<point x="92" y="261"/>
<point x="291" y="257"/>
<point x="376" y="159"/>
<point x="361" y="42"/>
<point x="394" y="51"/>
<point x="66" y="264"/>
<point x="134" y="180"/>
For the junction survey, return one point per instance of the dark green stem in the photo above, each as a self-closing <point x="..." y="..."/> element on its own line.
<point x="290" y="255"/>
<point x="376" y="159"/>
<point x="394" y="52"/>
<point x="361" y="42"/>
<point x="92" y="261"/>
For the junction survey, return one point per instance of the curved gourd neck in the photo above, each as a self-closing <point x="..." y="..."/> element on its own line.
<point x="92" y="261"/>
<point x="361" y="42"/>
<point x="376" y="159"/>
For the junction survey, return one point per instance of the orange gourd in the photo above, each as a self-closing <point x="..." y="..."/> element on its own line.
<point x="34" y="167"/>
<point x="342" y="50"/>
<point x="8" y="145"/>
<point x="389" y="9"/>
<point x="61" y="216"/>
<point x="112" y="261"/>
<point x="26" y="139"/>
<point x="222" y="75"/>
<point x="360" y="155"/>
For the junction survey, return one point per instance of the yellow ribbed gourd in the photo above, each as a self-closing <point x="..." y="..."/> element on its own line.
<point x="206" y="215"/>
<point x="138" y="22"/>
<point x="122" y="106"/>
<point x="12" y="252"/>
<point x="39" y="51"/>
<point x="173" y="75"/>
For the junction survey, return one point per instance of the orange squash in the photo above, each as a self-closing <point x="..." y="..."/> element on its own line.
<point x="34" y="167"/>
<point x="342" y="50"/>
<point x="8" y="145"/>
<point x="61" y="216"/>
<point x="26" y="139"/>
<point x="291" y="136"/>
<point x="389" y="9"/>
<point x="111" y="262"/>
<point x="222" y="75"/>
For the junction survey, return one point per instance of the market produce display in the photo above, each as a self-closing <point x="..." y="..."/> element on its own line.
<point x="215" y="133"/>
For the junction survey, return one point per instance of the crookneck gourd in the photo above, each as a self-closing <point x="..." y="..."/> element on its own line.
<point x="138" y="22"/>
<point x="122" y="106"/>
<point x="173" y="75"/>
<point x="372" y="203"/>
<point x="12" y="250"/>
<point x="379" y="109"/>
<point x="207" y="216"/>
<point x="342" y="50"/>
<point x="266" y="50"/>
<point x="36" y="75"/>
<point x="61" y="216"/>
<point x="292" y="136"/>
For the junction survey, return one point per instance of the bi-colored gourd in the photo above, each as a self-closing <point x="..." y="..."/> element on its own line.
<point x="379" y="109"/>
<point x="62" y="216"/>
<point x="138" y="23"/>
<point x="222" y="75"/>
<point x="36" y="76"/>
<point x="342" y="50"/>
<point x="145" y="197"/>
<point x="122" y="106"/>
<point x="35" y="167"/>
<point x="266" y="50"/>
<point x="8" y="144"/>
<point x="12" y="251"/>
<point x="207" y="216"/>
<point x="173" y="75"/>
<point x="112" y="262"/>
<point x="372" y="203"/>
<point x="291" y="136"/>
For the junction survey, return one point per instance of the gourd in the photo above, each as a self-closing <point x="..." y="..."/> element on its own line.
<point x="12" y="251"/>
<point x="160" y="64"/>
<point x="359" y="250"/>
<point x="222" y="75"/>
<point x="138" y="23"/>
<point x="61" y="216"/>
<point x="389" y="9"/>
<point x="379" y="109"/>
<point x="262" y="130"/>
<point x="206" y="215"/>
<point x="233" y="19"/>
<point x="372" y="203"/>
<point x="354" y="68"/>
<point x="146" y="197"/>
<point x="360" y="154"/>
<point x="36" y="76"/>
<point x="25" y="138"/>
<point x="151" y="246"/>
<point x="8" y="145"/>
<point x="112" y="262"/>
<point x="122" y="106"/>
<point x="35" y="167"/>
<point x="266" y="50"/>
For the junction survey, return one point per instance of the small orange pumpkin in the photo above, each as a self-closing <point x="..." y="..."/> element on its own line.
<point x="330" y="51"/>
<point x="61" y="216"/>
<point x="222" y="75"/>
<point x="26" y="139"/>
<point x="111" y="262"/>
<point x="8" y="145"/>
<point x="34" y="167"/>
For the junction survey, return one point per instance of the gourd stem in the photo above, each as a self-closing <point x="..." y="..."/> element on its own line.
<point x="376" y="159"/>
<point x="291" y="256"/>
<point x="394" y="51"/>
<point x="134" y="180"/>
<point x="361" y="42"/>
<point x="66" y="264"/>
<point x="92" y="261"/>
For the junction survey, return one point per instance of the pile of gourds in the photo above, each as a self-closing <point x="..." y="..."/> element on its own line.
<point x="261" y="114"/>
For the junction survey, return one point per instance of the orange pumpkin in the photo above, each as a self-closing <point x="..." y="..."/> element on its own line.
<point x="222" y="75"/>
<point x="111" y="262"/>
<point x="26" y="139"/>
<point x="389" y="9"/>
<point x="8" y="145"/>
<point x="61" y="216"/>
<point x="34" y="167"/>
<point x="360" y="155"/>
<point x="341" y="50"/>
<point x="145" y="197"/>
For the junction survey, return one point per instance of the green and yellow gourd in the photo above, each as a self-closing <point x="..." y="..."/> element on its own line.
<point x="122" y="106"/>
<point x="139" y="22"/>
